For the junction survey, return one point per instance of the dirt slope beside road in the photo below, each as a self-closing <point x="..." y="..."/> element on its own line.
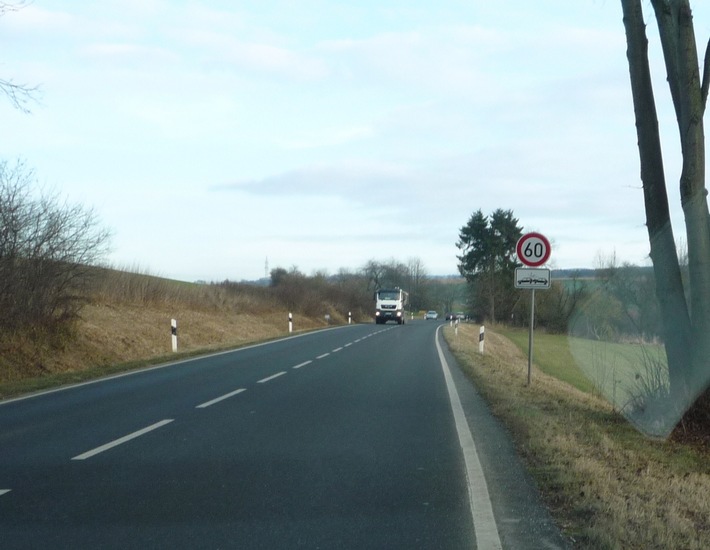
<point x="110" y="334"/>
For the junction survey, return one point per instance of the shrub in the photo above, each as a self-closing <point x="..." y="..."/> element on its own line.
<point x="46" y="250"/>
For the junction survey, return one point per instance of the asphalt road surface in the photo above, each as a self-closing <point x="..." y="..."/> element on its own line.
<point x="366" y="436"/>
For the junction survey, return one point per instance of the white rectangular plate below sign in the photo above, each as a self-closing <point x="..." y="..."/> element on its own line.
<point x="529" y="277"/>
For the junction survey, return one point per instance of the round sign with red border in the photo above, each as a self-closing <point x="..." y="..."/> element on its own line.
<point x="533" y="249"/>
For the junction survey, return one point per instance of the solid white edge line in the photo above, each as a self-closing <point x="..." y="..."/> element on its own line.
<point x="269" y="378"/>
<point x="122" y="440"/>
<point x="4" y="491"/>
<point x="222" y="398"/>
<point x="302" y="364"/>
<point x="484" y="521"/>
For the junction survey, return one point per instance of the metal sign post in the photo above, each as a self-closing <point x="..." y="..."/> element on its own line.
<point x="530" y="336"/>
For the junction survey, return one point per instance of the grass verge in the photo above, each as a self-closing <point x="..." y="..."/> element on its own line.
<point x="552" y="354"/>
<point x="109" y="339"/>
<point x="607" y="485"/>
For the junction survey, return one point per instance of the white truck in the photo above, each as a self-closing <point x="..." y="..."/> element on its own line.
<point x="389" y="305"/>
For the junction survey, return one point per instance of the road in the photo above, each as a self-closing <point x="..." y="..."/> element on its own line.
<point x="342" y="438"/>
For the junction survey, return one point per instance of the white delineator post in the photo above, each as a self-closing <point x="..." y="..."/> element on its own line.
<point x="173" y="331"/>
<point x="481" y="339"/>
<point x="350" y="317"/>
<point x="290" y="322"/>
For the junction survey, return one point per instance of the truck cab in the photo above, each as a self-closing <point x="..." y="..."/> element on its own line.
<point x="389" y="305"/>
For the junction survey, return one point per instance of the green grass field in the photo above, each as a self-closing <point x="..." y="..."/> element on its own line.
<point x="618" y="372"/>
<point x="551" y="353"/>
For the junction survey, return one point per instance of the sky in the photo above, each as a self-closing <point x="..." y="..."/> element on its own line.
<point x="220" y="139"/>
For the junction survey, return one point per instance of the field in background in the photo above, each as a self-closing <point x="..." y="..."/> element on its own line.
<point x="619" y="372"/>
<point x="552" y="353"/>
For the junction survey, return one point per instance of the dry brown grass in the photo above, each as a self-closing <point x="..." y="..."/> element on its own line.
<point x="128" y="320"/>
<point x="128" y="332"/>
<point x="607" y="485"/>
<point x="125" y="323"/>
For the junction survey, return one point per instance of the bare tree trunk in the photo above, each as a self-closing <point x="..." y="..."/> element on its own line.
<point x="669" y="284"/>
<point x="675" y="25"/>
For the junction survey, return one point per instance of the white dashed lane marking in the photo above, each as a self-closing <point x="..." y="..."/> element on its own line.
<point x="124" y="439"/>
<point x="221" y="398"/>
<point x="270" y="378"/>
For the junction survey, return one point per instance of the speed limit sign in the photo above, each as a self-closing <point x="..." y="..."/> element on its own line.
<point x="533" y="249"/>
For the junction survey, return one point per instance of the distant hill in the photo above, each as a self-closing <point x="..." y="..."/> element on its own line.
<point x="580" y="273"/>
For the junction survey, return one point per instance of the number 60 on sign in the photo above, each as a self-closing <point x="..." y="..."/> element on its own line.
<point x="533" y="249"/>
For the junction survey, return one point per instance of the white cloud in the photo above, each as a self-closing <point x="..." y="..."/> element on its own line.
<point x="326" y="137"/>
<point x="390" y="121"/>
<point x="122" y="53"/>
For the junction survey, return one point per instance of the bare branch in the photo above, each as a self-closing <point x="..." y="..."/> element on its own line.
<point x="19" y="95"/>
<point x="6" y="7"/>
<point x="47" y="248"/>
<point x="667" y="19"/>
<point x="706" y="77"/>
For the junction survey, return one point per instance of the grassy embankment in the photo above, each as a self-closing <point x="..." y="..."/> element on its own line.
<point x="607" y="485"/>
<point x="125" y="324"/>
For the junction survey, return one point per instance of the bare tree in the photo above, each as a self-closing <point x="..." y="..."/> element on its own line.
<point x="555" y="308"/>
<point x="417" y="284"/>
<point x="385" y="274"/>
<point x="20" y="95"/>
<point x="687" y="322"/>
<point x="373" y="272"/>
<point x="47" y="250"/>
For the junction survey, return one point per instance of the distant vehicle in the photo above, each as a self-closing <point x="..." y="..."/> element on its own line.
<point x="389" y="305"/>
<point x="449" y="316"/>
<point x="431" y="315"/>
